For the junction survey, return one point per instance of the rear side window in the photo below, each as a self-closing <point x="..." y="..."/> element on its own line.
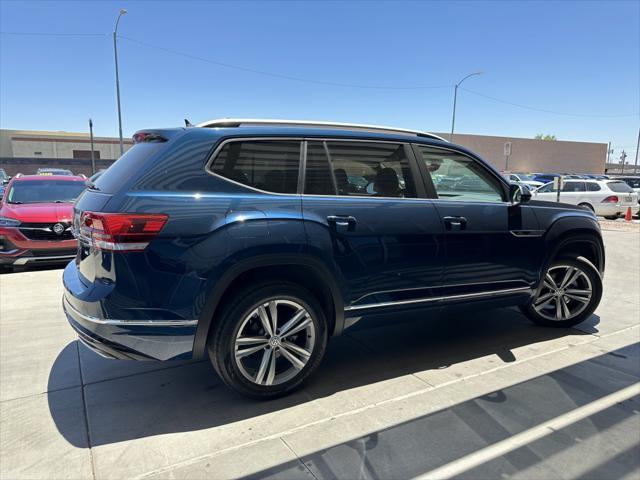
<point x="270" y="165"/>
<point x="125" y="167"/>
<point x="573" y="187"/>
<point x="593" y="187"/>
<point x="619" y="187"/>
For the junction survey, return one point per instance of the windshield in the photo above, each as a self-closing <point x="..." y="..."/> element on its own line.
<point x="3" y="174"/>
<point x="45" y="191"/>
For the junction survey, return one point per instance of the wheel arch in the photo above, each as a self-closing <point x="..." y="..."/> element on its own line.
<point x="302" y="269"/>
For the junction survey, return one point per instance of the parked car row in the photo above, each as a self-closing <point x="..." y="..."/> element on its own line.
<point x="607" y="196"/>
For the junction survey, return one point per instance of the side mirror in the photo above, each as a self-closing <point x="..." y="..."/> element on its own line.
<point x="519" y="193"/>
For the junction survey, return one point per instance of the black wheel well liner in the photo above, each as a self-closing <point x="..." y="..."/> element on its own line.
<point x="302" y="269"/>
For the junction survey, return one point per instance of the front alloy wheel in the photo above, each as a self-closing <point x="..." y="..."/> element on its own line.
<point x="570" y="292"/>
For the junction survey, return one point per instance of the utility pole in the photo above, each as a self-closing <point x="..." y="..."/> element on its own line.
<point x="623" y="157"/>
<point x="635" y="165"/>
<point x="115" y="54"/>
<point x="93" y="160"/>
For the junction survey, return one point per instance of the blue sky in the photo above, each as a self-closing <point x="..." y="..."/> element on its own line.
<point x="581" y="58"/>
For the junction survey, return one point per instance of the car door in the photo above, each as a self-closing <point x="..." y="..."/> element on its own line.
<point x="363" y="212"/>
<point x="490" y="245"/>
<point x="573" y="192"/>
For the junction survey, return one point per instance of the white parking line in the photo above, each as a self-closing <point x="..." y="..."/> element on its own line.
<point x="523" y="438"/>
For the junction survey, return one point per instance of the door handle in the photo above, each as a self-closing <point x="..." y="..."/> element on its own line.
<point x="455" y="223"/>
<point x="342" y="221"/>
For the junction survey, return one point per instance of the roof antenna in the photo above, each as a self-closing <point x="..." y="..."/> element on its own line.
<point x="187" y="123"/>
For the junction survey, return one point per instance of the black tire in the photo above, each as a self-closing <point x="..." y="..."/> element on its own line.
<point x="592" y="279"/>
<point x="222" y="339"/>
<point x="586" y="206"/>
<point x="611" y="217"/>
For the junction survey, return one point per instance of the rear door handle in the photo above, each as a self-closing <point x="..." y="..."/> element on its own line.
<point x="342" y="221"/>
<point x="455" y="223"/>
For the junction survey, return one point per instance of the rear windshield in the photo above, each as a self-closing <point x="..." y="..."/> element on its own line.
<point x="619" y="187"/>
<point x="125" y="167"/>
<point x="45" y="191"/>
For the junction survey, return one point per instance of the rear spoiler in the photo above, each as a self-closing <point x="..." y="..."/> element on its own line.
<point x="155" y="135"/>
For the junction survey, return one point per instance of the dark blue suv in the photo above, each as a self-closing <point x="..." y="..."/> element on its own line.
<point x="256" y="241"/>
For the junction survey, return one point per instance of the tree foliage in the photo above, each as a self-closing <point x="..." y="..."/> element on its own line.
<point x="548" y="137"/>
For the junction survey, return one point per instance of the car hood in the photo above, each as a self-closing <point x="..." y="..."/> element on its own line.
<point x="38" y="212"/>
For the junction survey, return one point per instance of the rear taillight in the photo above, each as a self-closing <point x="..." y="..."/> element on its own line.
<point x="121" y="231"/>
<point x="611" y="199"/>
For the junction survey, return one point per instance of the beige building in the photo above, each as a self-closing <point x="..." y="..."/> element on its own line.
<point x="26" y="150"/>
<point x="530" y="155"/>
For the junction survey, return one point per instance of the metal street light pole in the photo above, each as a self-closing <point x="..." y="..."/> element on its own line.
<point x="455" y="98"/>
<point x="93" y="160"/>
<point x="635" y="165"/>
<point x="115" y="53"/>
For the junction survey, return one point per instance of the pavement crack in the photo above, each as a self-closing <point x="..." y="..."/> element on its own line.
<point x="85" y="412"/>
<point x="298" y="457"/>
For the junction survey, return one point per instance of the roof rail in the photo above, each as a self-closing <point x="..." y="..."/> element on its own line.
<point x="254" y="122"/>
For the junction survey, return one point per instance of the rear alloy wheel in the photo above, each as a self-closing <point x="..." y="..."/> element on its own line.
<point x="570" y="292"/>
<point x="269" y="340"/>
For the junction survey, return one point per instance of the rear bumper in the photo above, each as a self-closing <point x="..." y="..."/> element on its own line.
<point x="125" y="339"/>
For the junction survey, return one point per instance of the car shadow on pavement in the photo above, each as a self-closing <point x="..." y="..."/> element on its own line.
<point x="130" y="400"/>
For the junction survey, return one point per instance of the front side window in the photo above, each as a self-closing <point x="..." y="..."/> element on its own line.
<point x="460" y="178"/>
<point x="367" y="169"/>
<point x="45" y="191"/>
<point x="270" y="165"/>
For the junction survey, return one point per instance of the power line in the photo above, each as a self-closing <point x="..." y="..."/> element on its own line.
<point x="55" y="34"/>
<point x="281" y="75"/>
<point x="527" y="107"/>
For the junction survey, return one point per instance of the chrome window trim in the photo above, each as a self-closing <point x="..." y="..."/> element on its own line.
<point x="125" y="323"/>
<point x="462" y="296"/>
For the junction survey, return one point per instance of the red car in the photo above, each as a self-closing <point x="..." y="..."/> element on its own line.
<point x="36" y="213"/>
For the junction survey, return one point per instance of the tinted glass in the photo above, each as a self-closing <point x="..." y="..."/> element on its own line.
<point x="593" y="187"/>
<point x="461" y="178"/>
<point x="44" y="191"/>
<point x="619" y="187"/>
<point x="125" y="167"/>
<point x="371" y="169"/>
<point x="632" y="182"/>
<point x="573" y="187"/>
<point x="270" y="165"/>
<point x="318" y="178"/>
<point x="546" y="188"/>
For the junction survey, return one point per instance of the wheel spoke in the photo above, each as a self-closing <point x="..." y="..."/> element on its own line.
<point x="272" y="370"/>
<point x="296" y="349"/>
<point x="565" y="307"/>
<point x="292" y="359"/>
<point x="264" y="318"/>
<point x="304" y="324"/>
<point x="575" y="291"/>
<point x="251" y="341"/>
<point x="552" y="283"/>
<point x="577" y="298"/>
<point x="266" y="359"/>
<point x="547" y="302"/>
<point x="273" y="311"/>
<point x="292" y="322"/>
<point x="543" y="298"/>
<point x="558" y="309"/>
<point x="572" y="279"/>
<point x="248" y="351"/>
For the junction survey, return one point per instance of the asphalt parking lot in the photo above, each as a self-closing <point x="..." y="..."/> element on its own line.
<point x="469" y="394"/>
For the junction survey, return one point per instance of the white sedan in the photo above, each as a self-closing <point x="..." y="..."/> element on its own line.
<point x="607" y="198"/>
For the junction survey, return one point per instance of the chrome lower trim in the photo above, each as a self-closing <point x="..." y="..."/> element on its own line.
<point x="462" y="296"/>
<point x="25" y="260"/>
<point x="126" y="323"/>
<point x="527" y="233"/>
